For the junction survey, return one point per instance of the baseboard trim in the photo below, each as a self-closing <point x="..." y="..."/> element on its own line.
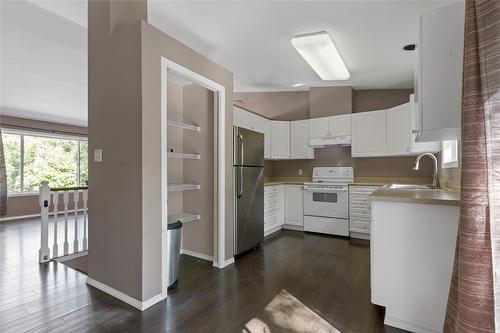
<point x="71" y="256"/>
<point x="124" y="297"/>
<point x="293" y="227"/>
<point x="412" y="327"/>
<point x="272" y="231"/>
<point x="197" y="255"/>
<point x="359" y="235"/>
<point x="225" y="263"/>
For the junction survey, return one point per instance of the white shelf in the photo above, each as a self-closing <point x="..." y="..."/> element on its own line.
<point x="183" y="126"/>
<point x="184" y="156"/>
<point x="183" y="187"/>
<point x="183" y="217"/>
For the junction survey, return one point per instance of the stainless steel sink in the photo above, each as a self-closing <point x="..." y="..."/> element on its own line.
<point x="409" y="187"/>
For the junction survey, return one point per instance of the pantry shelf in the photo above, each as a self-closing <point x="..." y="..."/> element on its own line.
<point x="184" y="156"/>
<point x="183" y="126"/>
<point x="183" y="217"/>
<point x="183" y="187"/>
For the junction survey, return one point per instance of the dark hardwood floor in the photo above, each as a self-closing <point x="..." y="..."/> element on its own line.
<point x="296" y="282"/>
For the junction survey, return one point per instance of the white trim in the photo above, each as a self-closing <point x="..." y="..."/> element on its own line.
<point x="21" y="194"/>
<point x="225" y="263"/>
<point x="197" y="255"/>
<point x="211" y="85"/>
<point x="22" y="217"/>
<point x="293" y="227"/>
<point x="71" y="256"/>
<point x="272" y="231"/>
<point x="412" y="327"/>
<point x="124" y="297"/>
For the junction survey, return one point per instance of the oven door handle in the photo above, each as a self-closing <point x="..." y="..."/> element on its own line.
<point x="325" y="190"/>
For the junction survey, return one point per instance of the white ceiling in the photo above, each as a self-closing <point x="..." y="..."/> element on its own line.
<point x="252" y="38"/>
<point x="43" y="56"/>
<point x="43" y="60"/>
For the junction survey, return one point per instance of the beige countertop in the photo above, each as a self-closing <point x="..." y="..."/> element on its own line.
<point x="357" y="181"/>
<point x="427" y="197"/>
<point x="286" y="180"/>
<point x="385" y="181"/>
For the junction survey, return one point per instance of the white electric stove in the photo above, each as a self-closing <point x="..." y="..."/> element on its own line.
<point x="326" y="200"/>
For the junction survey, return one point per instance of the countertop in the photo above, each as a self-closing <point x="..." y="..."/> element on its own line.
<point x="427" y="197"/>
<point x="361" y="181"/>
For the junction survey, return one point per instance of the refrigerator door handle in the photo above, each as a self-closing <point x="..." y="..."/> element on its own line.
<point x="240" y="182"/>
<point x="242" y="147"/>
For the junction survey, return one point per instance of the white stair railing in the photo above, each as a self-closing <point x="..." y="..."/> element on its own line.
<point x="49" y="201"/>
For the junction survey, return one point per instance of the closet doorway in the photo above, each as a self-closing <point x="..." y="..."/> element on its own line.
<point x="193" y="160"/>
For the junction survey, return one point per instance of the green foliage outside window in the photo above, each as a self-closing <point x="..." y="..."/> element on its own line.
<point x="60" y="161"/>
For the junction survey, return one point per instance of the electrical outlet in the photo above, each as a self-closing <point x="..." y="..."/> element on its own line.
<point x="98" y="155"/>
<point x="300" y="172"/>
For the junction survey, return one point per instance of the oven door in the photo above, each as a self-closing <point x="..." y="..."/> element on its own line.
<point x="327" y="202"/>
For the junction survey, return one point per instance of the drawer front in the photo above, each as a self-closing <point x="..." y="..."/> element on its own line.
<point x="359" y="225"/>
<point x="271" y="204"/>
<point x="273" y="189"/>
<point x="271" y="220"/>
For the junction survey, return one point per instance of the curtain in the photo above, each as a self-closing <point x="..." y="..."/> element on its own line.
<point x="473" y="303"/>
<point x="3" y="180"/>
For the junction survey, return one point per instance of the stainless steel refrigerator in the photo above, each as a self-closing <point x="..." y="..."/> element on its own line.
<point x="248" y="162"/>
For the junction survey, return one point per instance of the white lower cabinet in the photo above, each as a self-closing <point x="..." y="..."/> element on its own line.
<point x="274" y="208"/>
<point x="294" y="206"/>
<point x="283" y="208"/>
<point x="360" y="211"/>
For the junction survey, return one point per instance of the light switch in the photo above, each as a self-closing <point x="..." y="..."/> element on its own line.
<point x="98" y="155"/>
<point x="300" y="172"/>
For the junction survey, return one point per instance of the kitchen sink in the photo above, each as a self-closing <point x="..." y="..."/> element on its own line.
<point x="408" y="187"/>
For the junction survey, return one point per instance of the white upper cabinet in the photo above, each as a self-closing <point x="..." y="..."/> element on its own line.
<point x="267" y="139"/>
<point x="419" y="147"/>
<point x="318" y="128"/>
<point x="440" y="61"/>
<point x="254" y="122"/>
<point x="398" y="130"/>
<point x="369" y="135"/>
<point x="340" y="125"/>
<point x="299" y="140"/>
<point x="280" y="139"/>
<point x="331" y="130"/>
<point x="238" y="117"/>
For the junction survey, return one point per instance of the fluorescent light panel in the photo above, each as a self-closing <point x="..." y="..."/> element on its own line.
<point x="321" y="54"/>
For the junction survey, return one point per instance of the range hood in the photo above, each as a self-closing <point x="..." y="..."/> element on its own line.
<point x="343" y="140"/>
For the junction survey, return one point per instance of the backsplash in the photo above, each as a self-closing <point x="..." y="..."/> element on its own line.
<point x="380" y="167"/>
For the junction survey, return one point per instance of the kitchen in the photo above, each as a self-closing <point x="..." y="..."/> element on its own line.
<point x="333" y="155"/>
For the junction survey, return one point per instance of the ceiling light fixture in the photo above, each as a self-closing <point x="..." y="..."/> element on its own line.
<point x="297" y="85"/>
<point x="321" y="54"/>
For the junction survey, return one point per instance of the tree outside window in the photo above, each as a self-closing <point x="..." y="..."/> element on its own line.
<point x="31" y="159"/>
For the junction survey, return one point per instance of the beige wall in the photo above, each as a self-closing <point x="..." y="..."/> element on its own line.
<point x="175" y="141"/>
<point x="283" y="105"/>
<point x="198" y="236"/>
<point x="330" y="101"/>
<point x="27" y="205"/>
<point x="115" y="126"/>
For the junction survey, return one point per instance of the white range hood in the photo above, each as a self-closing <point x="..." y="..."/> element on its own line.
<point x="343" y="140"/>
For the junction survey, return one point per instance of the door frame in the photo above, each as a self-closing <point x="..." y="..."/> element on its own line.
<point x="219" y="163"/>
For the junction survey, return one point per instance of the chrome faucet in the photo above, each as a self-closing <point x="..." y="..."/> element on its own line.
<point x="435" y="177"/>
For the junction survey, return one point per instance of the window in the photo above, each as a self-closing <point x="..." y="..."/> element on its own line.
<point x="31" y="158"/>
<point x="449" y="154"/>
